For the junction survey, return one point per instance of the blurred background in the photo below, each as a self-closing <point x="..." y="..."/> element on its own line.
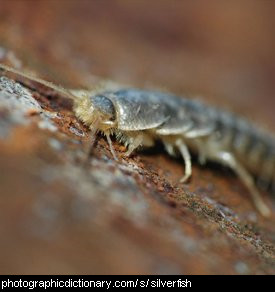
<point x="223" y="50"/>
<point x="56" y="217"/>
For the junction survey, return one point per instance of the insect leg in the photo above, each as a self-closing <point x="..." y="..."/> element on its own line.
<point x="137" y="141"/>
<point x="202" y="150"/>
<point x="111" y="146"/>
<point x="89" y="144"/>
<point x="187" y="159"/>
<point x="229" y="160"/>
<point x="170" y="149"/>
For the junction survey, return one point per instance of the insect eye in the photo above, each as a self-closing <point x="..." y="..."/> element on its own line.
<point x="104" y="105"/>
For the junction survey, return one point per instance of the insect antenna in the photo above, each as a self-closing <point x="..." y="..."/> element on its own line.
<point x="59" y="89"/>
<point x="92" y="135"/>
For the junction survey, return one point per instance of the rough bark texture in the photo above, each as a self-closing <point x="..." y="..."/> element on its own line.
<point x="59" y="214"/>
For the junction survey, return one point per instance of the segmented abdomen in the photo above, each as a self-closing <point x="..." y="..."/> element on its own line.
<point x="252" y="146"/>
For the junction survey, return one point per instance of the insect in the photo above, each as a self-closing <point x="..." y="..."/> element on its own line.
<point x="139" y="118"/>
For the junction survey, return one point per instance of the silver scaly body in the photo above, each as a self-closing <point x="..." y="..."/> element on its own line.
<point x="139" y="118"/>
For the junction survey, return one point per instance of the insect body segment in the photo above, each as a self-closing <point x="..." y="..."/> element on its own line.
<point x="139" y="118"/>
<point x="181" y="124"/>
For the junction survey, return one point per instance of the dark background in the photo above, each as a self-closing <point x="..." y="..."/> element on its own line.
<point x="223" y="50"/>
